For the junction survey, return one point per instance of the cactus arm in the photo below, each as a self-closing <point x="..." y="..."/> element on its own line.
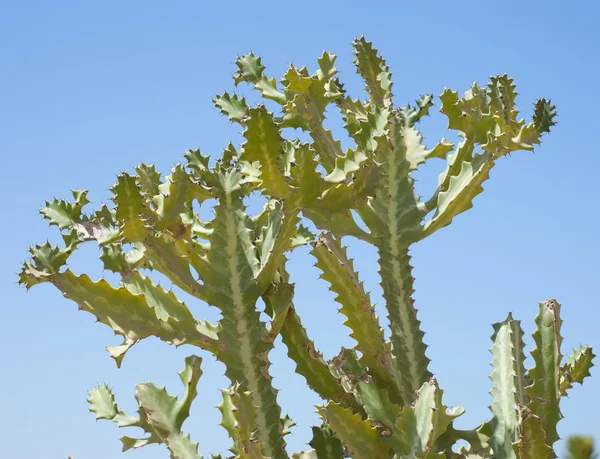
<point x="485" y="118"/>
<point x="427" y="420"/>
<point x="310" y="96"/>
<point x="393" y="217"/>
<point x="130" y="209"/>
<point x="277" y="240"/>
<point x="325" y="444"/>
<point x="301" y="349"/>
<point x="164" y="303"/>
<point x="232" y="106"/>
<point x="174" y="198"/>
<point x="130" y="315"/>
<point x="416" y="153"/>
<point x="508" y="386"/>
<point x="309" y="361"/>
<point x="544" y="391"/>
<point x="250" y="70"/>
<point x="339" y="272"/>
<point x="338" y="224"/>
<point x="64" y="214"/>
<point x="304" y="175"/>
<point x="358" y="437"/>
<point x="576" y="369"/>
<point x="264" y="144"/>
<point x="234" y="262"/>
<point x="478" y="440"/>
<point x="380" y="410"/>
<point x="462" y="189"/>
<point x="149" y="180"/>
<point x="166" y="259"/>
<point x="239" y="419"/>
<point x="278" y="301"/>
<point x="375" y="72"/>
<point x="160" y="414"/>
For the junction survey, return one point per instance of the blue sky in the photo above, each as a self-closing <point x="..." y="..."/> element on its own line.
<point x="92" y="88"/>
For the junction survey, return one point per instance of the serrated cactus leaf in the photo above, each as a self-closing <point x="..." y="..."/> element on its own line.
<point x="339" y="224"/>
<point x="303" y="236"/>
<point x="576" y="369"/>
<point x="416" y="152"/>
<point x="380" y="410"/>
<point x="462" y="189"/>
<point x="130" y="208"/>
<point x="309" y="361"/>
<point x="409" y="115"/>
<point x="165" y="303"/>
<point x="46" y="261"/>
<point x="278" y="301"/>
<point x="65" y="214"/>
<point x="305" y="178"/>
<point x="358" y="437"/>
<point x="325" y="444"/>
<point x="102" y="403"/>
<point x="244" y="424"/>
<point x="264" y="144"/>
<point x="129" y="315"/>
<point x="423" y="423"/>
<point x="477" y="439"/>
<point x="167" y="258"/>
<point x="508" y="386"/>
<point x="276" y="239"/>
<point x="306" y="110"/>
<point x="233" y="107"/>
<point x="338" y="271"/>
<point x="160" y="414"/>
<point x="543" y="120"/>
<point x="149" y="180"/>
<point x="375" y="72"/>
<point x="250" y="69"/>
<point x="116" y="261"/>
<point x="175" y="198"/>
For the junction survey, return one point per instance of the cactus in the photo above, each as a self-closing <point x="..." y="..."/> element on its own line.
<point x="581" y="448"/>
<point x="380" y="398"/>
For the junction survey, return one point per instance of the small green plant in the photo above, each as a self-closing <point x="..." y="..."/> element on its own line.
<point x="581" y="448"/>
<point x="381" y="400"/>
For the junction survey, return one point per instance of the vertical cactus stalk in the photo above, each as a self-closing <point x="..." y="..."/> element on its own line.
<point x="508" y="386"/>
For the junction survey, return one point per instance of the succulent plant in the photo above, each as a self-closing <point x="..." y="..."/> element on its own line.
<point x="380" y="398"/>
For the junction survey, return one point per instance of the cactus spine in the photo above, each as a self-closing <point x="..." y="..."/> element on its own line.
<point x="380" y="399"/>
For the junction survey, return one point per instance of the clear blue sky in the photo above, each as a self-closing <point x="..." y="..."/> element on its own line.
<point x="92" y="88"/>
